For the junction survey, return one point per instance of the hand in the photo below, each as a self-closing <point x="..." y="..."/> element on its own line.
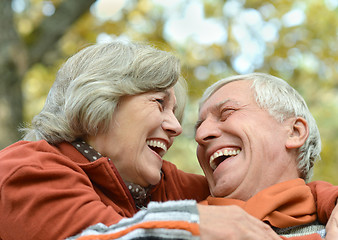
<point x="332" y="225"/>
<point x="232" y="222"/>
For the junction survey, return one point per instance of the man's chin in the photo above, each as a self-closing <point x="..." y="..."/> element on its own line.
<point x="220" y="191"/>
<point x="217" y="193"/>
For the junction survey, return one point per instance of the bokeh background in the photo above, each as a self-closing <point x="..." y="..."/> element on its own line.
<point x="292" y="39"/>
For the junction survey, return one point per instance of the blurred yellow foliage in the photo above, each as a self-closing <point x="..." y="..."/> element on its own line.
<point x="305" y="54"/>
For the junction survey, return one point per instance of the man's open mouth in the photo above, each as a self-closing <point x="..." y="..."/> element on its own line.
<point x="159" y="147"/>
<point x="219" y="156"/>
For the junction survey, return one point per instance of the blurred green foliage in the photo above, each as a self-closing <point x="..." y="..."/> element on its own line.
<point x="305" y="54"/>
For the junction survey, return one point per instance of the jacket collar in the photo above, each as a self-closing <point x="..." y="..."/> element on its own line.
<point x="102" y="174"/>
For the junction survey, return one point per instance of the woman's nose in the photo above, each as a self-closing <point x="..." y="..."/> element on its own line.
<point x="172" y="125"/>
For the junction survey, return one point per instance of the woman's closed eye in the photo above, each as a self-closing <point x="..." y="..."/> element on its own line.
<point x="160" y="102"/>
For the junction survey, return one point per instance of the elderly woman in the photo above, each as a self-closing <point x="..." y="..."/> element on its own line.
<point x="94" y="152"/>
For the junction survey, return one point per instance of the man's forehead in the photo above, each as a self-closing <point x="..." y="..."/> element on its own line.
<point x="232" y="92"/>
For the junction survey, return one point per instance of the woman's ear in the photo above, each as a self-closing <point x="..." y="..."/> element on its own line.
<point x="298" y="132"/>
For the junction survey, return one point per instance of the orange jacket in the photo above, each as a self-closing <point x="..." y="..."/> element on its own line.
<point x="53" y="192"/>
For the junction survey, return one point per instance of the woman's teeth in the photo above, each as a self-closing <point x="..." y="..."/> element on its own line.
<point x="215" y="159"/>
<point x="158" y="144"/>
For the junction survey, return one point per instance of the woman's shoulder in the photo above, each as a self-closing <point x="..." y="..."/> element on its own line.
<point x="27" y="150"/>
<point x="31" y="154"/>
<point x="27" y="146"/>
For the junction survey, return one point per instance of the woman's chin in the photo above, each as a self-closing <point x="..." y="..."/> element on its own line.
<point x="154" y="180"/>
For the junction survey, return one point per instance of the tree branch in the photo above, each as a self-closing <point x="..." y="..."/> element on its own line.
<point x="54" y="27"/>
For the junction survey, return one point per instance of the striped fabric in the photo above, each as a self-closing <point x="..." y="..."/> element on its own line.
<point x="302" y="230"/>
<point x="168" y="220"/>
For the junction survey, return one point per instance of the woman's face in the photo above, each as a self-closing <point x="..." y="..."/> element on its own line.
<point x="142" y="129"/>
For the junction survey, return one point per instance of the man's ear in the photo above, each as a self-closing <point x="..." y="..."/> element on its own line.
<point x="298" y="132"/>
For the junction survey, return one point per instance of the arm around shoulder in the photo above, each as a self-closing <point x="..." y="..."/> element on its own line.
<point x="326" y="196"/>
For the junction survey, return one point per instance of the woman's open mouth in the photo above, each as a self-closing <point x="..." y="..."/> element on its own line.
<point x="157" y="146"/>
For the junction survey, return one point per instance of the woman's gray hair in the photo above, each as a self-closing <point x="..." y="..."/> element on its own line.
<point x="89" y="85"/>
<point x="282" y="102"/>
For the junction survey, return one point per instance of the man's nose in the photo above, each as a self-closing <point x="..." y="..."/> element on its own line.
<point x="172" y="125"/>
<point x="207" y="131"/>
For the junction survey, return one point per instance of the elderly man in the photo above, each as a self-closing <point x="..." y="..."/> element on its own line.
<point x="257" y="144"/>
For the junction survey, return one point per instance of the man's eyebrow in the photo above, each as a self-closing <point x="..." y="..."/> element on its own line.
<point x="219" y="105"/>
<point x="198" y="124"/>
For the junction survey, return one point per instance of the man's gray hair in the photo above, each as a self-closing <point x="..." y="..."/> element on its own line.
<point x="89" y="85"/>
<point x="282" y="102"/>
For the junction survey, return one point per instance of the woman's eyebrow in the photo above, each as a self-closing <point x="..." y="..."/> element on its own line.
<point x="167" y="93"/>
<point x="168" y="96"/>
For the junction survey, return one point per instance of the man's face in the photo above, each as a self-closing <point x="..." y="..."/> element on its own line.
<point x="241" y="147"/>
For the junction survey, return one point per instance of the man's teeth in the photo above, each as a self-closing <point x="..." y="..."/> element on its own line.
<point x="214" y="163"/>
<point x="154" y="143"/>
